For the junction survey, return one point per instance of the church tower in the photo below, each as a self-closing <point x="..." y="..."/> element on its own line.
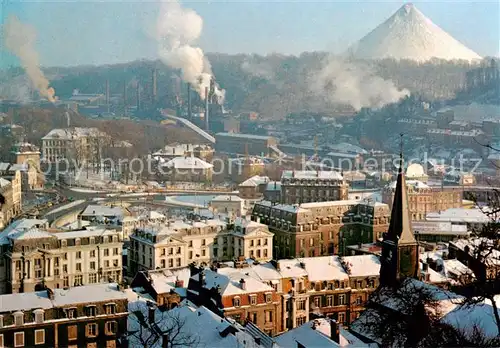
<point x="400" y="256"/>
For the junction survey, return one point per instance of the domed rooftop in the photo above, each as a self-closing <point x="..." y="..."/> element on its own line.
<point x="415" y="170"/>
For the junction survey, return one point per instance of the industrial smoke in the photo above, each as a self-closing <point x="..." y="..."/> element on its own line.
<point x="353" y="83"/>
<point x="20" y="40"/>
<point x="176" y="31"/>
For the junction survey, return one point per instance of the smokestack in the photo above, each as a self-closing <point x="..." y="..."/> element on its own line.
<point x="107" y="94"/>
<point x="138" y="96"/>
<point x="125" y="98"/>
<point x="206" y="109"/>
<point x="190" y="110"/>
<point x="153" y="86"/>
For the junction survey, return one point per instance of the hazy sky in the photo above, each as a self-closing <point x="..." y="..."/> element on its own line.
<point x="106" y="31"/>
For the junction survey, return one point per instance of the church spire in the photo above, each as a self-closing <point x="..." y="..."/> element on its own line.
<point x="400" y="229"/>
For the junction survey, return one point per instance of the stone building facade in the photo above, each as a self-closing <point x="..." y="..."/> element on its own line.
<point x="423" y="199"/>
<point x="35" y="258"/>
<point x="312" y="186"/>
<point x="87" y="316"/>
<point x="321" y="228"/>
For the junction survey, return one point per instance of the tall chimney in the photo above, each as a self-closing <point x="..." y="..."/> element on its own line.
<point x="243" y="284"/>
<point x="107" y="94"/>
<point x="334" y="331"/>
<point x="206" y="109"/>
<point x="153" y="86"/>
<point x="125" y="98"/>
<point x="190" y="110"/>
<point x="138" y="97"/>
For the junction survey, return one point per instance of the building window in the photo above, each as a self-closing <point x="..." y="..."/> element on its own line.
<point x="91" y="311"/>
<point x="178" y="262"/>
<point x="371" y="283"/>
<point x="92" y="278"/>
<point x="204" y="252"/>
<point x="301" y="305"/>
<point x="19" y="318"/>
<point x="269" y="316"/>
<point x="111" y="308"/>
<point x="265" y="252"/>
<point x="78" y="280"/>
<point x="236" y="302"/>
<point x="78" y="254"/>
<point x="70" y="313"/>
<point x="111" y="327"/>
<point x="91" y="330"/>
<point x="65" y="268"/>
<point x="301" y="320"/>
<point x="341" y="318"/>
<point x="78" y="267"/>
<point x="311" y="242"/>
<point x="19" y="339"/>
<point x="170" y="263"/>
<point x="359" y="300"/>
<point x="92" y="265"/>
<point x="92" y="253"/>
<point x="162" y="263"/>
<point x="115" y="263"/>
<point x="190" y="244"/>
<point x="253" y="300"/>
<point x="106" y="263"/>
<point x="72" y="332"/>
<point x="317" y="301"/>
<point x="190" y="254"/>
<point x="39" y="336"/>
<point x="111" y="344"/>
<point x="269" y="297"/>
<point x="106" y="252"/>
<point x="115" y="251"/>
<point x="39" y="316"/>
<point x="65" y="282"/>
<point x="329" y="301"/>
<point x="341" y="300"/>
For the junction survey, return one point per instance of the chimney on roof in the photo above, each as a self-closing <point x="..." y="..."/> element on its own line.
<point x="243" y="284"/>
<point x="50" y="294"/>
<point x="334" y="331"/>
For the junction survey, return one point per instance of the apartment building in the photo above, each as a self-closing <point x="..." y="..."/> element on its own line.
<point x="321" y="228"/>
<point x="312" y="186"/>
<point x="85" y="316"/>
<point x="79" y="144"/>
<point x="188" y="169"/>
<point x="254" y="187"/>
<point x="34" y="258"/>
<point x="307" y="288"/>
<point x="177" y="244"/>
<point x="236" y="295"/>
<point x="228" y="204"/>
<point x="423" y="199"/>
<point x="28" y="155"/>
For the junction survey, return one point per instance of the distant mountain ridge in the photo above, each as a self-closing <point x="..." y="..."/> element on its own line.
<point x="409" y="34"/>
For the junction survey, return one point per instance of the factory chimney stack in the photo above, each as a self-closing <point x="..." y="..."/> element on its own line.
<point x="206" y="109"/>
<point x="153" y="86"/>
<point x="190" y="110"/>
<point x="138" y="96"/>
<point x="107" y="94"/>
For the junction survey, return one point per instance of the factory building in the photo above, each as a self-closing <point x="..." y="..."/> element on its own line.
<point x="249" y="144"/>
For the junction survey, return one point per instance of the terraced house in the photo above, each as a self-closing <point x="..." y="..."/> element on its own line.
<point x="321" y="228"/>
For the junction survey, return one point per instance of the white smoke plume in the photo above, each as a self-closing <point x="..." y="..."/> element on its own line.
<point x="176" y="31"/>
<point x="20" y="40"/>
<point x="354" y="84"/>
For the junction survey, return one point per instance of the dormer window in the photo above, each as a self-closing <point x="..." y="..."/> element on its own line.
<point x="91" y="311"/>
<point x="19" y="318"/>
<point x="236" y="302"/>
<point x="64" y="243"/>
<point x="111" y="308"/>
<point x="39" y="316"/>
<point x="77" y="241"/>
<point x="269" y="298"/>
<point x="92" y="240"/>
<point x="71" y="313"/>
<point x="253" y="300"/>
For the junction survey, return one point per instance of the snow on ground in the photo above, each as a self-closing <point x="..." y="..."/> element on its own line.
<point x="66" y="206"/>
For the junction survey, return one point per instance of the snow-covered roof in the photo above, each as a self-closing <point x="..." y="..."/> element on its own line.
<point x="228" y="279"/>
<point x="70" y="133"/>
<point x="310" y="334"/>
<point x="453" y="268"/>
<point x="187" y="162"/>
<point x="459" y="215"/>
<point x="311" y="174"/>
<point x="348" y="148"/>
<point x="4" y="182"/>
<point x="74" y="295"/>
<point x="415" y="184"/>
<point x="32" y="233"/>
<point x="90" y="232"/>
<point x="102" y="210"/>
<point x="415" y="170"/>
<point x="409" y="34"/>
<point x="254" y="181"/>
<point x="363" y="265"/>
<point x="324" y="268"/>
<point x="201" y="327"/>
<point x="225" y="198"/>
<point x="164" y="281"/>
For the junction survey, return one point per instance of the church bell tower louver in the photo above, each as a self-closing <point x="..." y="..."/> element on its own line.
<point x="400" y="254"/>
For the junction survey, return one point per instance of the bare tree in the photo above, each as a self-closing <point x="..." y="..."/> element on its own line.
<point x="151" y="327"/>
